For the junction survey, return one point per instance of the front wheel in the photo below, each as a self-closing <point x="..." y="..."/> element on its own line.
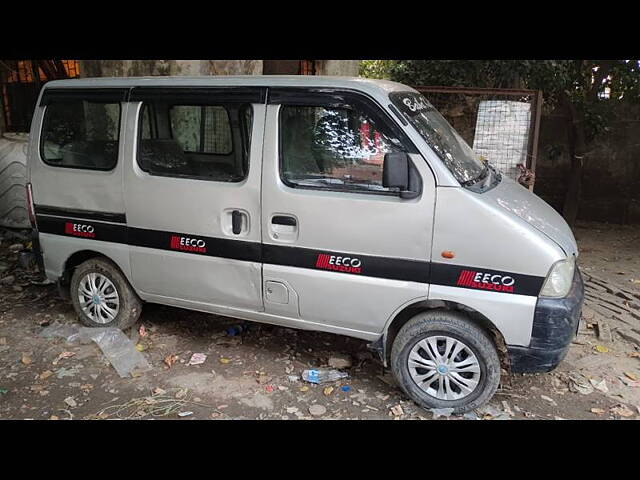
<point x="443" y="360"/>
<point x="102" y="296"/>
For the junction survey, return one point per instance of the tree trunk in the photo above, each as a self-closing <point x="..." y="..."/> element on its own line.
<point x="577" y="149"/>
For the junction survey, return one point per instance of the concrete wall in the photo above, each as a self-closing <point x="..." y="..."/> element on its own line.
<point x="611" y="180"/>
<point x="347" y="68"/>
<point x="2" y="125"/>
<point x="138" y="68"/>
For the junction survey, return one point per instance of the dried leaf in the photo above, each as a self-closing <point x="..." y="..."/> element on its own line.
<point x="170" y="360"/>
<point x="26" y="359"/>
<point x="622" y="411"/>
<point x="631" y="375"/>
<point x="327" y="391"/>
<point x="142" y="331"/>
<point x="597" y="411"/>
<point x="396" y="410"/>
<point x="63" y="355"/>
<point x="225" y="360"/>
<point x="601" y="349"/>
<point x="46" y="374"/>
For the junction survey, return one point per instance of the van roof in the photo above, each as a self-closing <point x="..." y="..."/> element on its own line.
<point x="365" y="84"/>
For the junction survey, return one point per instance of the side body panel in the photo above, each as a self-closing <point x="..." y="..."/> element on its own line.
<point x="386" y="233"/>
<point x="162" y="210"/>
<point x="74" y="189"/>
<point x="484" y="237"/>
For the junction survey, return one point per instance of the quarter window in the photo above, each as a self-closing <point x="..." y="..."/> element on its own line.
<point x="335" y="148"/>
<point x="207" y="142"/>
<point x="81" y="134"/>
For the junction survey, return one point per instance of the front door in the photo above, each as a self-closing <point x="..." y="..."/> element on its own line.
<point x="192" y="194"/>
<point x="339" y="249"/>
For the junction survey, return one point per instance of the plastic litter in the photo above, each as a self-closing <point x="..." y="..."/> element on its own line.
<point x="441" y="412"/>
<point x="346" y="388"/>
<point x="323" y="375"/>
<point x="115" y="345"/>
<point x="197" y="359"/>
<point x="237" y="329"/>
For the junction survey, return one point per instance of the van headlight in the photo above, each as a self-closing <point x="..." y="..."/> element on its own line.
<point x="558" y="282"/>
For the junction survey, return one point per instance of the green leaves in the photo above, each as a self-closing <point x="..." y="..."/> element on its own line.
<point x="594" y="87"/>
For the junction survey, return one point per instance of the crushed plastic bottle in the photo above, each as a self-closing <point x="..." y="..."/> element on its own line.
<point x="323" y="375"/>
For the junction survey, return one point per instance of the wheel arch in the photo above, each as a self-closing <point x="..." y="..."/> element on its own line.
<point x="384" y="343"/>
<point x="75" y="259"/>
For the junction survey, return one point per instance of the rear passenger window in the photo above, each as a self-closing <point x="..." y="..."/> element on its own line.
<point x="81" y="134"/>
<point x="206" y="142"/>
<point x="202" y="129"/>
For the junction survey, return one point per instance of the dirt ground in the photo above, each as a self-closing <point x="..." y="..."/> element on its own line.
<point x="256" y="374"/>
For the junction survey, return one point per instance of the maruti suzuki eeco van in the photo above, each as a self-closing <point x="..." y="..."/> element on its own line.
<point x="343" y="205"/>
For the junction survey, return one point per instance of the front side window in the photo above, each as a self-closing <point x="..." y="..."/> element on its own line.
<point x="336" y="148"/>
<point x="454" y="152"/>
<point x="206" y="142"/>
<point x="81" y="134"/>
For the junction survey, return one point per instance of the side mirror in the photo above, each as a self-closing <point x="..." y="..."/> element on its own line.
<point x="396" y="173"/>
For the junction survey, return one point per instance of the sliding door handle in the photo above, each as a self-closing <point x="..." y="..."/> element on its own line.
<point x="236" y="222"/>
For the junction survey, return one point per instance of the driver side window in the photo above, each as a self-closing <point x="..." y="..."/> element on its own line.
<point x="335" y="148"/>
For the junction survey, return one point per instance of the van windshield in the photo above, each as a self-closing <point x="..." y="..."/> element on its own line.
<point x="452" y="149"/>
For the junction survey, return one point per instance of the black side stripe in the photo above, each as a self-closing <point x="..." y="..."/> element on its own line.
<point x="345" y="263"/>
<point x="90" y="230"/>
<point x="81" y="214"/>
<point x="195" y="244"/>
<point x="369" y="266"/>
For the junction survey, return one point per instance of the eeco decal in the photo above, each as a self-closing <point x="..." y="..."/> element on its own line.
<point x="339" y="263"/>
<point x="79" y="230"/>
<point x="486" y="281"/>
<point x="188" y="244"/>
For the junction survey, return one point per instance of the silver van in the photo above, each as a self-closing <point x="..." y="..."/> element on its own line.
<point x="339" y="204"/>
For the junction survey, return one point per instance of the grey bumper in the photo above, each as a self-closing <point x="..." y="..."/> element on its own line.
<point x="555" y="324"/>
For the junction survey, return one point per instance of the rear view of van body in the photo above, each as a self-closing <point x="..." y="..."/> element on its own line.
<point x="333" y="204"/>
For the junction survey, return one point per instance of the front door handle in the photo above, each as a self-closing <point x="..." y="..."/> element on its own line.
<point x="284" y="220"/>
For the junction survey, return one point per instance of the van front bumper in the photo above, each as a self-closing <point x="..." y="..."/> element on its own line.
<point x="555" y="325"/>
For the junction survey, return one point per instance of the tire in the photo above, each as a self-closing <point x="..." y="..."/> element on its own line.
<point x="477" y="347"/>
<point x="13" y="179"/>
<point x="117" y="292"/>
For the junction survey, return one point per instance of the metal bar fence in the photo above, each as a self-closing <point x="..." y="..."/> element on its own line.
<point x="500" y="124"/>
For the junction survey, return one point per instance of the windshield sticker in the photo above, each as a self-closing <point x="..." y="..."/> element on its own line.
<point x="416" y="104"/>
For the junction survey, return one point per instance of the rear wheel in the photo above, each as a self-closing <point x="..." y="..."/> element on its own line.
<point x="102" y="296"/>
<point x="442" y="360"/>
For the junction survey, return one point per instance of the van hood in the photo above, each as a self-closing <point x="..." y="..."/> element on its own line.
<point x="536" y="212"/>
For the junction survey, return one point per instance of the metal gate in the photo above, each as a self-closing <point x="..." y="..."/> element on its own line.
<point x="503" y="125"/>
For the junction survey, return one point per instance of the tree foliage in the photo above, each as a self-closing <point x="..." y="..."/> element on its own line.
<point x="589" y="92"/>
<point x="594" y="87"/>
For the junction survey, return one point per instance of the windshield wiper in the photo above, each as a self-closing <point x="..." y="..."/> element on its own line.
<point x="481" y="176"/>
